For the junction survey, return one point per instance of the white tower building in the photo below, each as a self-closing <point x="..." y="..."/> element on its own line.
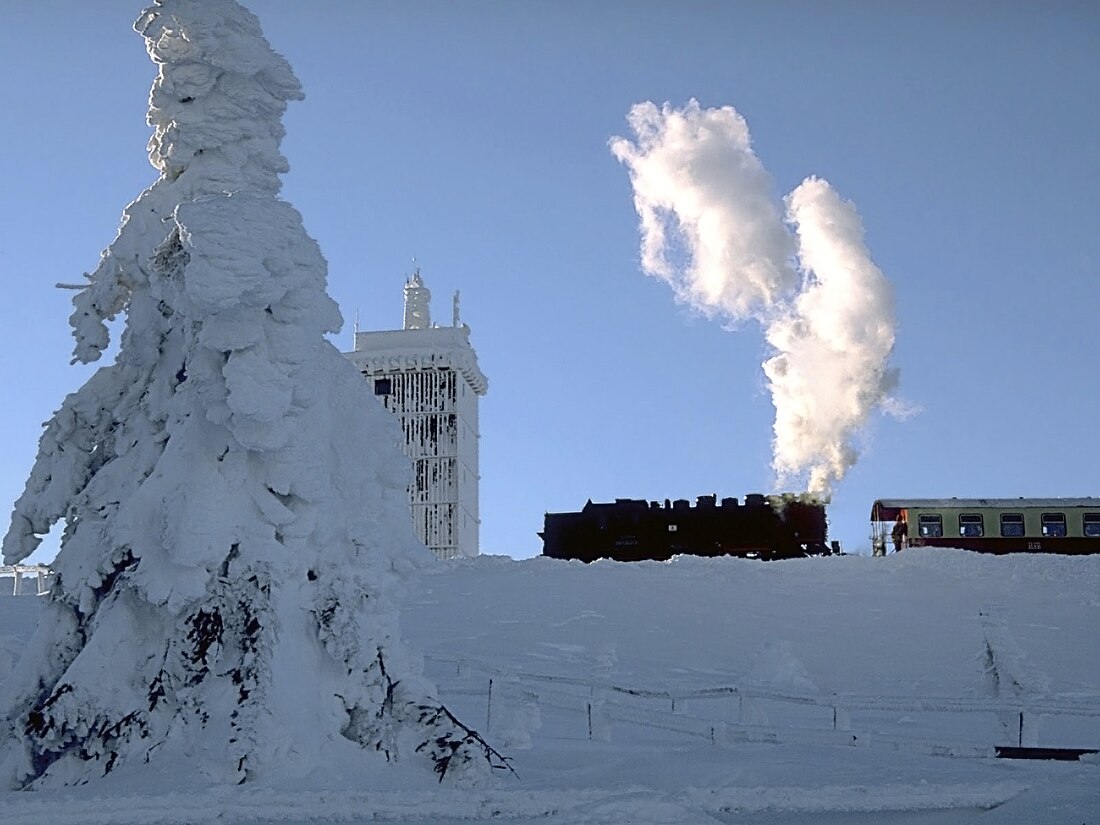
<point x="428" y="376"/>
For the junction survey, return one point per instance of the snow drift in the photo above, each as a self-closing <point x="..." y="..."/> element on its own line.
<point x="712" y="684"/>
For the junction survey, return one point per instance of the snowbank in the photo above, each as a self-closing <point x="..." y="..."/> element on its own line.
<point x="907" y="636"/>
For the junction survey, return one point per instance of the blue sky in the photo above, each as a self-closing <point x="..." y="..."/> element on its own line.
<point x="473" y="136"/>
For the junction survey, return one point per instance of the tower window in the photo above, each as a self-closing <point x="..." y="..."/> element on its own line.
<point x="383" y="386"/>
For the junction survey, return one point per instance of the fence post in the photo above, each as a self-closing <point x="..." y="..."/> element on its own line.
<point x="842" y="718"/>
<point x="1029" y="730"/>
<point x="489" y="706"/>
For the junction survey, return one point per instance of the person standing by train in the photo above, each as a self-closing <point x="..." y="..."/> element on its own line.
<point x="900" y="533"/>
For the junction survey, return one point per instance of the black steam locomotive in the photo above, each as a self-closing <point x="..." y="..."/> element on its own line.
<point x="762" y="527"/>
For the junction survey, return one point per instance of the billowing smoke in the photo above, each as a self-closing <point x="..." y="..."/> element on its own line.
<point x="700" y="190"/>
<point x="712" y="229"/>
<point x="832" y="342"/>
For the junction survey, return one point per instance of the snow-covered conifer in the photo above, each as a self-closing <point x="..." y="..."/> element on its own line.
<point x="234" y="498"/>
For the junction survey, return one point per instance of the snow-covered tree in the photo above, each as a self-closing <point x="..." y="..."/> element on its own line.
<point x="234" y="498"/>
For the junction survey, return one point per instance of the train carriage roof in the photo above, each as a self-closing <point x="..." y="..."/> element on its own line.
<point x="888" y="509"/>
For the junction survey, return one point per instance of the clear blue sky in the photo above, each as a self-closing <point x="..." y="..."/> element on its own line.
<point x="473" y="136"/>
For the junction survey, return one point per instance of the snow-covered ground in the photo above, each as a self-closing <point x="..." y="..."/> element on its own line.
<point x="833" y="690"/>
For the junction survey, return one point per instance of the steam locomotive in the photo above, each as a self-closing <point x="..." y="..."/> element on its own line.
<point x="761" y="527"/>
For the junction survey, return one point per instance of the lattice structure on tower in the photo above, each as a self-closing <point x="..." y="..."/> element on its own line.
<point x="428" y="376"/>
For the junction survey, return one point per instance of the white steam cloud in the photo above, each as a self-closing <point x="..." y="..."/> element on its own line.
<point x="705" y="200"/>
<point x="697" y="180"/>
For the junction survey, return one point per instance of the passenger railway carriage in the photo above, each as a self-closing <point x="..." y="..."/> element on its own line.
<point x="988" y="525"/>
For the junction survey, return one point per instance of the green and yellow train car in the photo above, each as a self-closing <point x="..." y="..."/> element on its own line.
<point x="988" y="525"/>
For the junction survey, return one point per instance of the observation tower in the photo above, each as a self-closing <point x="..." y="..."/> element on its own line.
<point x="428" y="376"/>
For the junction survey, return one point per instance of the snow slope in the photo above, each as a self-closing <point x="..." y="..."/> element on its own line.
<point x="715" y="690"/>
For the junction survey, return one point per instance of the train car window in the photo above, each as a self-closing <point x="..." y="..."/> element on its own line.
<point x="971" y="526"/>
<point x="1092" y="524"/>
<point x="1012" y="525"/>
<point x="1054" y="524"/>
<point x="930" y="525"/>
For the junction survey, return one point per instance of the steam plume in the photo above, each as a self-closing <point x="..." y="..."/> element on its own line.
<point x="704" y="199"/>
<point x="697" y="180"/>
<point x="832" y="343"/>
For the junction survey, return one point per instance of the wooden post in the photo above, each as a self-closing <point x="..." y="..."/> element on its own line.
<point x="489" y="706"/>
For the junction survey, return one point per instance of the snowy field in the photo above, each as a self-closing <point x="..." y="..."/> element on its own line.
<point x="842" y="690"/>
